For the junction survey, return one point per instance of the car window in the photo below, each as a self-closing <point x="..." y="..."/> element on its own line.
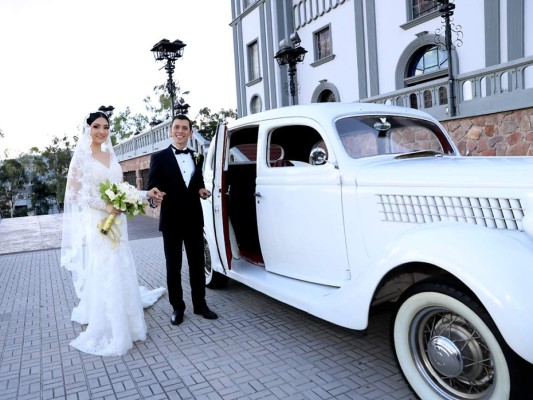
<point x="243" y="146"/>
<point x="367" y="136"/>
<point x="298" y="143"/>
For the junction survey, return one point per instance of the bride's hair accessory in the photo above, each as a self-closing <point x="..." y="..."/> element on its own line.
<point x="95" y="115"/>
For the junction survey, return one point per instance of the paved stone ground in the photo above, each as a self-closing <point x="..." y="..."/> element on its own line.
<point x="259" y="348"/>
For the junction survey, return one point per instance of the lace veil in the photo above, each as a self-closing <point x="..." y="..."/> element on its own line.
<point x="77" y="202"/>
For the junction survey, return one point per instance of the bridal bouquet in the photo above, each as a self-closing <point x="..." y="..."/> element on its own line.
<point x="122" y="196"/>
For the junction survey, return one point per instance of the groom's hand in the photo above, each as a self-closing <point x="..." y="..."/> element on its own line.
<point x="156" y="196"/>
<point x="204" y="193"/>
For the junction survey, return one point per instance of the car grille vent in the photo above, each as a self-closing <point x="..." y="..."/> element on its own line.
<point x="485" y="211"/>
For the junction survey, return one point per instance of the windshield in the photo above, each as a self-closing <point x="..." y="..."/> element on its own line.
<point x="365" y="136"/>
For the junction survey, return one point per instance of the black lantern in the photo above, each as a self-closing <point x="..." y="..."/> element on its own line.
<point x="107" y="110"/>
<point x="169" y="51"/>
<point x="182" y="108"/>
<point x="291" y="54"/>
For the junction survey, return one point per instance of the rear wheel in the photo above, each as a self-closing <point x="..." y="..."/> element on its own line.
<point x="213" y="279"/>
<point x="448" y="347"/>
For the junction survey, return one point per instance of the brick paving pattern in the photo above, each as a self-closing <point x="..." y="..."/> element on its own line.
<point x="259" y="348"/>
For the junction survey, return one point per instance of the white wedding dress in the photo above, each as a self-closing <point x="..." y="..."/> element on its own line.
<point x="111" y="301"/>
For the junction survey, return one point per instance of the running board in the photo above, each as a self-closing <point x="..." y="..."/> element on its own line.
<point x="297" y="293"/>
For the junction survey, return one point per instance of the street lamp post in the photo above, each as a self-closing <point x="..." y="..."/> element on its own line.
<point x="169" y="51"/>
<point x="291" y="55"/>
<point x="446" y="8"/>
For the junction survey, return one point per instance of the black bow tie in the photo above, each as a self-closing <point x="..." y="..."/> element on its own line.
<point x="178" y="151"/>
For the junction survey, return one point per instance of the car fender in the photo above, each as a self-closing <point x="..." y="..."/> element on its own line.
<point x="483" y="260"/>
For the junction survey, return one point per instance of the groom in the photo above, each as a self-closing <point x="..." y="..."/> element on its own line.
<point x="177" y="171"/>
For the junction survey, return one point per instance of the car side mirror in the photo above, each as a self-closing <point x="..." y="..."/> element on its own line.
<point x="318" y="156"/>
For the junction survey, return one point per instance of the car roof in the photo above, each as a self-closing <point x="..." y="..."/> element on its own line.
<point x="328" y="112"/>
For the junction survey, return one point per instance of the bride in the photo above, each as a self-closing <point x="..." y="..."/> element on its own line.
<point x="104" y="273"/>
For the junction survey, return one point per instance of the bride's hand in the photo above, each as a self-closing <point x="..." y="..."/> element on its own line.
<point x="112" y="210"/>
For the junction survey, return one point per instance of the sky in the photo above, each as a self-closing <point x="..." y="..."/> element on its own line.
<point x="61" y="59"/>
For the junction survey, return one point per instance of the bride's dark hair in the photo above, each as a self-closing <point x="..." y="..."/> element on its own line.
<point x="95" y="115"/>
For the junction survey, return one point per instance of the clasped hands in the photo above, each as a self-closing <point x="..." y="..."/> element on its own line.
<point x="156" y="195"/>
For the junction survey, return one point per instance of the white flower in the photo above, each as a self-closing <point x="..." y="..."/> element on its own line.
<point x="110" y="194"/>
<point x="124" y="187"/>
<point x="196" y="157"/>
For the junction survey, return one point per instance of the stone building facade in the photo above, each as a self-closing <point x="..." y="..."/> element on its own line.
<point x="507" y="133"/>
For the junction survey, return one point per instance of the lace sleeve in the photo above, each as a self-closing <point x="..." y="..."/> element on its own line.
<point x="78" y="192"/>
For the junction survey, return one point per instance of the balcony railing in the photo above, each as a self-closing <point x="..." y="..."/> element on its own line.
<point x="155" y="139"/>
<point x="504" y="87"/>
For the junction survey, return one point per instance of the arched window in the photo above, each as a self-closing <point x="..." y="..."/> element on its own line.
<point x="327" y="96"/>
<point x="413" y="101"/>
<point x="428" y="100"/>
<point x="484" y="83"/>
<point x="504" y="82"/>
<point x="428" y="60"/>
<point x="255" y="104"/>
<point x="528" y="77"/>
<point x="467" y="91"/>
<point x="325" y="92"/>
<point x="423" y="61"/>
<point x="443" y="95"/>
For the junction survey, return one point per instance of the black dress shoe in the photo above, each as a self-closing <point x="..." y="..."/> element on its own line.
<point x="206" y="313"/>
<point x="177" y="317"/>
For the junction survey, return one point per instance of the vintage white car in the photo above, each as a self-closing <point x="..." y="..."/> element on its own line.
<point x="334" y="208"/>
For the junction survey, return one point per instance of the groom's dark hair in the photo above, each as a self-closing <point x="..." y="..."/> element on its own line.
<point x="182" y="117"/>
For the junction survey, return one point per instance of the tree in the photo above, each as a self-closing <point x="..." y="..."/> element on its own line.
<point x="41" y="196"/>
<point x="125" y="125"/>
<point x="206" y="123"/>
<point x="13" y="179"/>
<point x="163" y="111"/>
<point x="51" y="168"/>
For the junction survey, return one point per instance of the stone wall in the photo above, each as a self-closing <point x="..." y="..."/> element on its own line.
<point x="502" y="134"/>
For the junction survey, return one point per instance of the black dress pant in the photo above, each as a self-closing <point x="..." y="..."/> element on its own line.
<point x="194" y="247"/>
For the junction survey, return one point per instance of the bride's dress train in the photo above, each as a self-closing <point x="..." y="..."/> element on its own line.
<point x="112" y="301"/>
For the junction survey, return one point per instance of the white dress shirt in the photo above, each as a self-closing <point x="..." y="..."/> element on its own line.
<point x="186" y="165"/>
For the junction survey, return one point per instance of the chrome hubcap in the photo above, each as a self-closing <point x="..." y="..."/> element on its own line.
<point x="445" y="356"/>
<point x="451" y="355"/>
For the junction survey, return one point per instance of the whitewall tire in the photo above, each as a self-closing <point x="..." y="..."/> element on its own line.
<point x="448" y="347"/>
<point x="213" y="279"/>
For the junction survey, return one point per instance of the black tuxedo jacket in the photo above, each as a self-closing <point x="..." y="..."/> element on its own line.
<point x="181" y="211"/>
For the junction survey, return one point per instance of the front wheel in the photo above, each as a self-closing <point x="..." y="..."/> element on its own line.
<point x="213" y="279"/>
<point x="448" y="347"/>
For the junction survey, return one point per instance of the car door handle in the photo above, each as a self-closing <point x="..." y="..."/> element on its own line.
<point x="257" y="194"/>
